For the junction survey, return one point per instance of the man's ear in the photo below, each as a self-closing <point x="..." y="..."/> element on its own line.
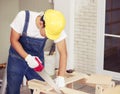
<point x="41" y="23"/>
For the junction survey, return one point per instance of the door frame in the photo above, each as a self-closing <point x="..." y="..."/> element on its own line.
<point x="100" y="41"/>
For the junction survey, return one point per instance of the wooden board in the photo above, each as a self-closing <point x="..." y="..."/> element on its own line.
<point x="40" y="86"/>
<point x="75" y="76"/>
<point x="70" y="78"/>
<point x="114" y="90"/>
<point x="72" y="91"/>
<point x="99" y="79"/>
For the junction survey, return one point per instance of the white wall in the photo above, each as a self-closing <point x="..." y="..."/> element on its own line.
<point x="85" y="36"/>
<point x="67" y="8"/>
<point x="35" y="5"/>
<point x="8" y="9"/>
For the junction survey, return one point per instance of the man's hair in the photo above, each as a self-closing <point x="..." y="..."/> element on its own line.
<point x="42" y="19"/>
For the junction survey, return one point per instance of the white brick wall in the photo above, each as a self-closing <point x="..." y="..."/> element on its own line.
<point x="85" y="36"/>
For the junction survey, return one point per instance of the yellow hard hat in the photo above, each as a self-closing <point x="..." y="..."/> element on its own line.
<point x="54" y="23"/>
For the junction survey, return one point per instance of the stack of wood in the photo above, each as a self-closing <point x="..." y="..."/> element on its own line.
<point x="99" y="81"/>
<point x="2" y="65"/>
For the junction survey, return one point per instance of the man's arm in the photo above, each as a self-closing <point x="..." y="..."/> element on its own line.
<point x="61" y="46"/>
<point x="32" y="61"/>
<point x="14" y="37"/>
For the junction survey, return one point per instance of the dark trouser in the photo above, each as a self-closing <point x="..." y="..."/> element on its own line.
<point x="16" y="69"/>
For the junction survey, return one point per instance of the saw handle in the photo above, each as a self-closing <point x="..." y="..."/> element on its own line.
<point x="40" y="67"/>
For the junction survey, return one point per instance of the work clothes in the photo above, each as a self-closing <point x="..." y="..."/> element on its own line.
<point x="17" y="67"/>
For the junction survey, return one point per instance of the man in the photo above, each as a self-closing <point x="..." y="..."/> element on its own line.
<point x="29" y="32"/>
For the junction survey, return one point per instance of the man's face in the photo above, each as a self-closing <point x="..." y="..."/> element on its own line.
<point x="42" y="29"/>
<point x="42" y="32"/>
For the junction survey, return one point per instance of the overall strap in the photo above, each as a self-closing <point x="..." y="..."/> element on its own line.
<point x="26" y="22"/>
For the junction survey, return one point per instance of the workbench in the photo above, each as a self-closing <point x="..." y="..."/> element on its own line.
<point x="100" y="82"/>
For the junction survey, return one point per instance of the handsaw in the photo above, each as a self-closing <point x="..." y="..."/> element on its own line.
<point x="50" y="81"/>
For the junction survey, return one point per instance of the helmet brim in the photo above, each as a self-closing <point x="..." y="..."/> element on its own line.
<point x="52" y="36"/>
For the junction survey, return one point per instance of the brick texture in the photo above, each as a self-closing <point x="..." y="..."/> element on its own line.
<point x="85" y="36"/>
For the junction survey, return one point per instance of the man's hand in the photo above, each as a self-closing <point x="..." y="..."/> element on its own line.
<point x="60" y="82"/>
<point x="34" y="62"/>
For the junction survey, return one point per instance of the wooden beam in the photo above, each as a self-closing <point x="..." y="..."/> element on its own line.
<point x="114" y="90"/>
<point x="39" y="84"/>
<point x="2" y="65"/>
<point x="72" y="91"/>
<point x="73" y="77"/>
<point x="99" y="79"/>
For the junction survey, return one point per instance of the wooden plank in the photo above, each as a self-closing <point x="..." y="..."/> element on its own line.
<point x="99" y="79"/>
<point x="39" y="91"/>
<point x="114" y="90"/>
<point x="72" y="91"/>
<point x="2" y="65"/>
<point x="36" y="91"/>
<point x="73" y="77"/>
<point x="39" y="84"/>
<point x="69" y="79"/>
<point x="45" y="88"/>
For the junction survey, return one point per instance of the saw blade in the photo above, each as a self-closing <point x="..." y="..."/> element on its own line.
<point x="50" y="81"/>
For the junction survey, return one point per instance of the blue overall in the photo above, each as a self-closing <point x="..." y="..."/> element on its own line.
<point x="17" y="67"/>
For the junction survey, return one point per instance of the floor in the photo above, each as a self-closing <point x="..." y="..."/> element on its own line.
<point x="25" y="90"/>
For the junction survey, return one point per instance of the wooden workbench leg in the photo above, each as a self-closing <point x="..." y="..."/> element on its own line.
<point x="70" y="85"/>
<point x="112" y="84"/>
<point x="99" y="89"/>
<point x="36" y="91"/>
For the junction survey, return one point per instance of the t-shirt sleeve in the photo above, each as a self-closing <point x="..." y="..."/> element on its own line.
<point x="18" y="22"/>
<point x="63" y="35"/>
